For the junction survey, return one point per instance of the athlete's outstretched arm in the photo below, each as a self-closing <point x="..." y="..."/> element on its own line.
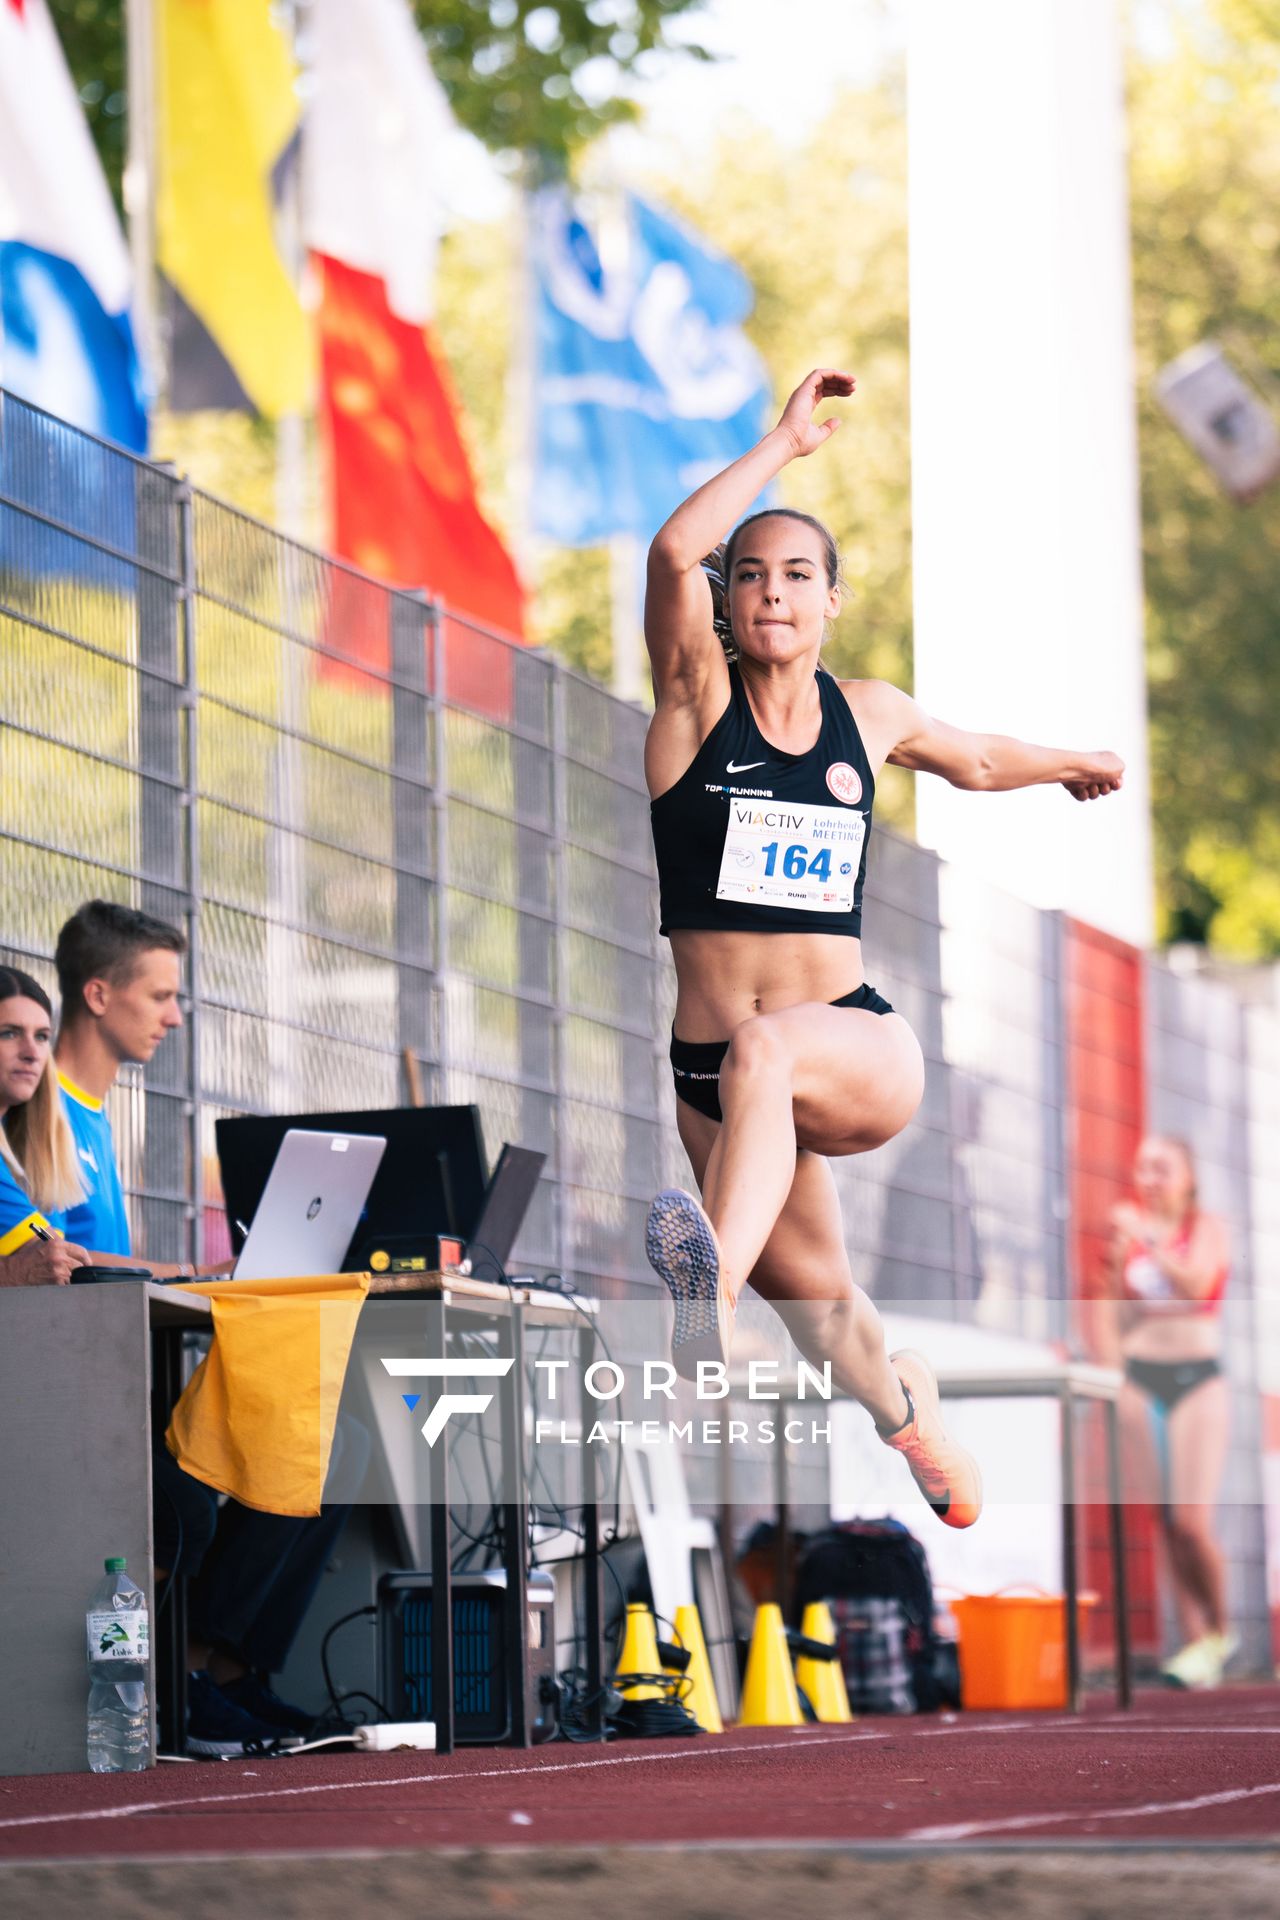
<point x="677" y="608"/>
<point x="985" y="762"/>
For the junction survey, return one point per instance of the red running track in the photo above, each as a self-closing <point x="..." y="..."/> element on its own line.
<point x="1188" y="1768"/>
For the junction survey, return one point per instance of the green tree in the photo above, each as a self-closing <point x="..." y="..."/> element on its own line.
<point x="92" y="36"/>
<point x="543" y="77"/>
<point x="1205" y="187"/>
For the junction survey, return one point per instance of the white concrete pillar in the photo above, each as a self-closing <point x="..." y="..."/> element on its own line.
<point x="1028" y="590"/>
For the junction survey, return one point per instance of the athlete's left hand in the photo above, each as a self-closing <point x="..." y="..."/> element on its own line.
<point x="1128" y="1221"/>
<point x="1104" y="774"/>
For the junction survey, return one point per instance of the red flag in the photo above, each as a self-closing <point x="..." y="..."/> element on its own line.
<point x="403" y="497"/>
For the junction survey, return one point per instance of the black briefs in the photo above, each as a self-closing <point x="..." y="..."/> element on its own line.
<point x="696" y="1064"/>
<point x="1168" y="1381"/>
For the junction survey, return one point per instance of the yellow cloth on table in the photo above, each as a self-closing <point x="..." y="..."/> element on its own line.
<point x="257" y="1417"/>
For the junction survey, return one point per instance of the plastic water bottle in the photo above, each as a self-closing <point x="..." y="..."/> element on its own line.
<point x="118" y="1641"/>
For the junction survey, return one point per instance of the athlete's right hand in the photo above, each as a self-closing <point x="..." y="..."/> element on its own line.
<point x="1103" y="774"/>
<point x="797" y="421"/>
<point x="42" y="1263"/>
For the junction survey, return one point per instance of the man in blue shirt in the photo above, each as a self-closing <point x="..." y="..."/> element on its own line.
<point x="252" y="1574"/>
<point x="119" y="974"/>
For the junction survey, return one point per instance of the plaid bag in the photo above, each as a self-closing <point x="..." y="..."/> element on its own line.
<point x="872" y="1635"/>
<point x="874" y="1575"/>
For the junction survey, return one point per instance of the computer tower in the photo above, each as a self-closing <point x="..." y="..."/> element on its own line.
<point x="481" y="1705"/>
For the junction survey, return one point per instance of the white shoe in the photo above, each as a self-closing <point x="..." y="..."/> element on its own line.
<point x="1200" y="1663"/>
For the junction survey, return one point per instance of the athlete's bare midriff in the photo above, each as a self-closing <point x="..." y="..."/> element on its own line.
<point x="1171" y="1336"/>
<point x="725" y="978"/>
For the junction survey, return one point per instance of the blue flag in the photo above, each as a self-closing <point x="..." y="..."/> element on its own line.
<point x="646" y="384"/>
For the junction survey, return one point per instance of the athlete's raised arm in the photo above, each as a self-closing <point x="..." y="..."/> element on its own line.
<point x="981" y="762"/>
<point x="678" y="608"/>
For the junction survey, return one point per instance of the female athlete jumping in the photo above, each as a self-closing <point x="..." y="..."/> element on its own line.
<point x="762" y="773"/>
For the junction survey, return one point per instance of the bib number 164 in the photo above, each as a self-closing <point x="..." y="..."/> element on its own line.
<point x="796" y="862"/>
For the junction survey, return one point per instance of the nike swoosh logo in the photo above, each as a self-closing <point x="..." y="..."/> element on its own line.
<point x="730" y="768"/>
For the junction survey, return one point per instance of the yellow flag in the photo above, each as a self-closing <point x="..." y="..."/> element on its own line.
<point x="227" y="110"/>
<point x="257" y="1417"/>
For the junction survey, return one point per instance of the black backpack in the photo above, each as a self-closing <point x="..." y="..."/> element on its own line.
<point x="868" y="1571"/>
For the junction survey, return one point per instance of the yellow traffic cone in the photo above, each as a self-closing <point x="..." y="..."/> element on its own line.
<point x="639" y="1655"/>
<point x="699" y="1694"/>
<point x="769" y="1697"/>
<point x="822" y="1681"/>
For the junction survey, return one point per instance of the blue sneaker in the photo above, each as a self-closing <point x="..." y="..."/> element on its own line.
<point x="254" y="1696"/>
<point x="218" y="1729"/>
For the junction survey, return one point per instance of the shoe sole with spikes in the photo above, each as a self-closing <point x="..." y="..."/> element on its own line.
<point x="683" y="1251"/>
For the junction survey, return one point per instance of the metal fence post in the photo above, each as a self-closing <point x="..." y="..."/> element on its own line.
<point x="167" y="825"/>
<point x="412" y="627"/>
<point x="191" y="710"/>
<point x="528" y="744"/>
<point x="1057" y="1147"/>
<point x="439" y="810"/>
<point x="559" y="826"/>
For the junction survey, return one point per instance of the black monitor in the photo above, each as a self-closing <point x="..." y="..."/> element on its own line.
<point x="432" y="1177"/>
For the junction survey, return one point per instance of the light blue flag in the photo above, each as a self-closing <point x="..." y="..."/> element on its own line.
<point x="646" y="384"/>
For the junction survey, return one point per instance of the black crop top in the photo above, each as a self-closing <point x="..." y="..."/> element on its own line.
<point x="757" y="840"/>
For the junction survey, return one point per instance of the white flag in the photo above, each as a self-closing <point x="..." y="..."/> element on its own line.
<point x="65" y="337"/>
<point x="374" y="147"/>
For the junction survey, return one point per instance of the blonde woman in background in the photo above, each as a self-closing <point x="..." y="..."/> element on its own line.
<point x="1168" y="1262"/>
<point x="39" y="1167"/>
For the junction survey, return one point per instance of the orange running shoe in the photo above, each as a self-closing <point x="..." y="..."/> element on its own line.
<point x="683" y="1250"/>
<point x="946" y="1475"/>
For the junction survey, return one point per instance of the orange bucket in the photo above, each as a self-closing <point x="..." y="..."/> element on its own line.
<point x="1013" y="1648"/>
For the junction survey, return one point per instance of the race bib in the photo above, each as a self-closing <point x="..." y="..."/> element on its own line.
<point x="117" y="1636"/>
<point x="782" y="853"/>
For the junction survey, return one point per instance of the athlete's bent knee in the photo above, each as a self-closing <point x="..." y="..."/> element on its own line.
<point x="758" y="1048"/>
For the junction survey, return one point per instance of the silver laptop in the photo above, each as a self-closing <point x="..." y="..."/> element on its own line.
<point x="311" y="1204"/>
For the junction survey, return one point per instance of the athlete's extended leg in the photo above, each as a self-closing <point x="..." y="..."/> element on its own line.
<point x="1198" y="1427"/>
<point x="899" y="1389"/>
<point x="1198" y="1433"/>
<point x="1144" y="1441"/>
<point x="804" y="1271"/>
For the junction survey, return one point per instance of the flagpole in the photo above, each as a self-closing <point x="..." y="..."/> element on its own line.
<point x="627" y="675"/>
<point x="521" y="398"/>
<point x="138" y="189"/>
<point x="624" y="599"/>
<point x="291" y="428"/>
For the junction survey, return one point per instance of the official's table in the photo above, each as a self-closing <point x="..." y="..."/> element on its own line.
<point x="84" y="1373"/>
